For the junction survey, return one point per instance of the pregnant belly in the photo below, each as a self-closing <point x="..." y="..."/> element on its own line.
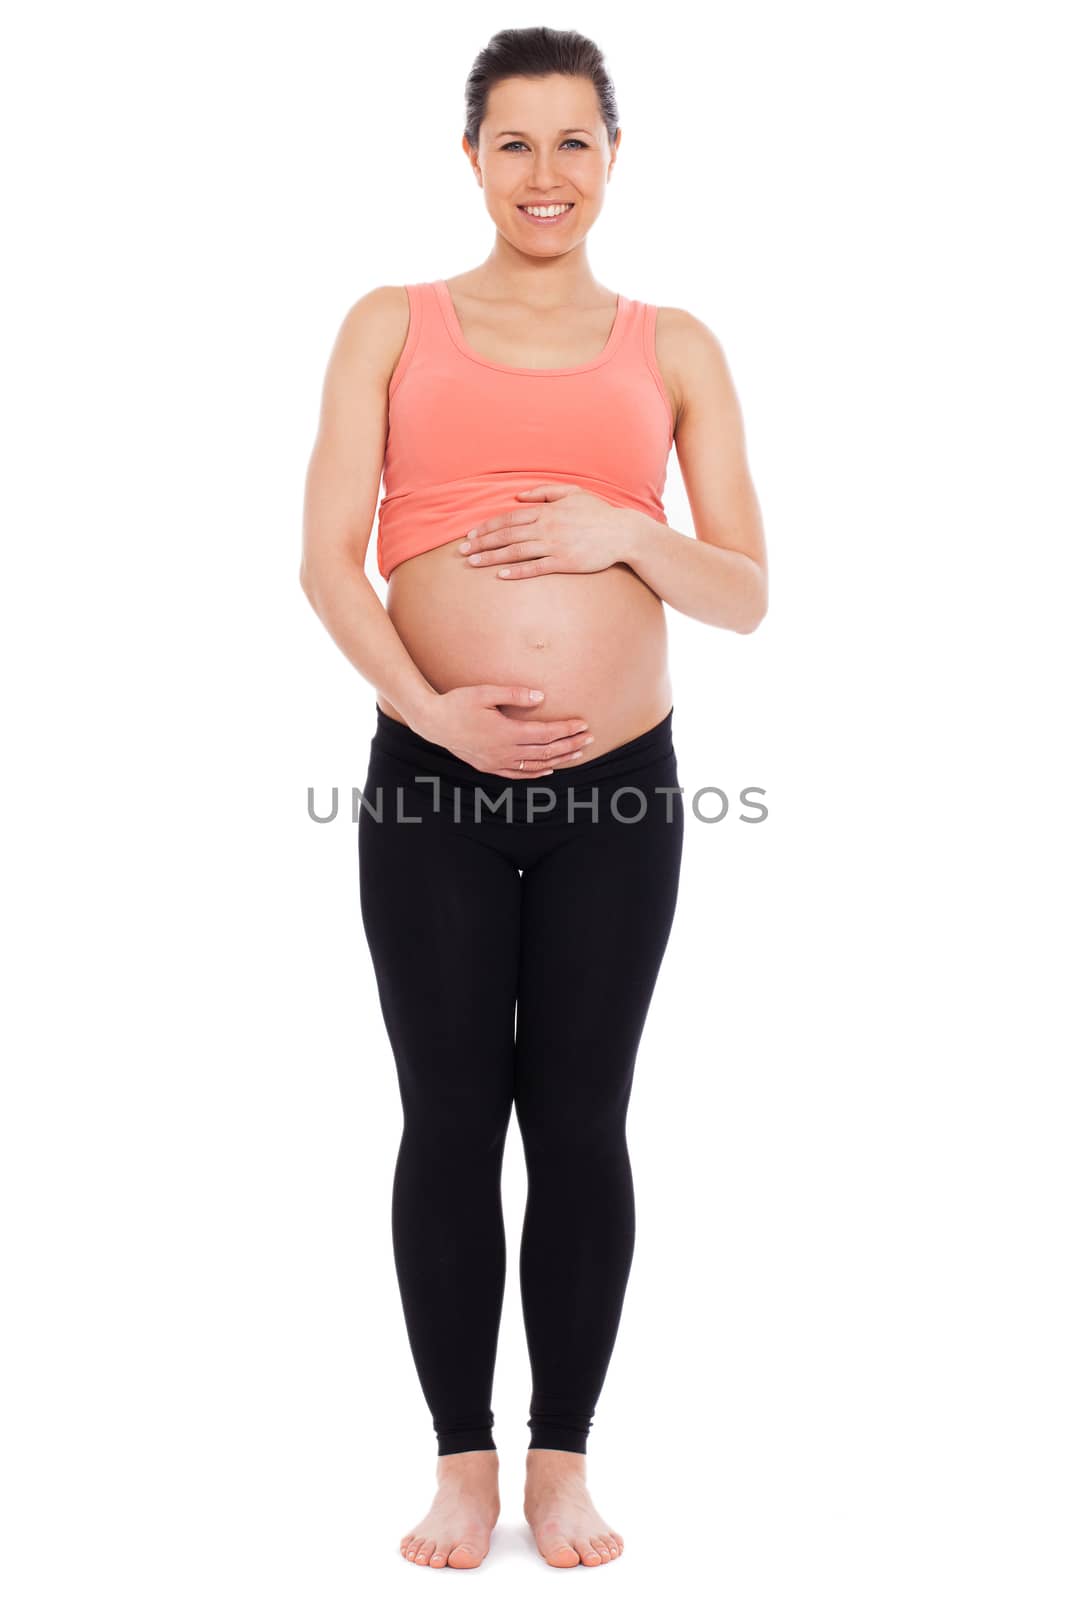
<point x="595" y="643"/>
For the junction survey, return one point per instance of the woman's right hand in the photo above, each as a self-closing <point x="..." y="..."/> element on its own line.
<point x="467" y="722"/>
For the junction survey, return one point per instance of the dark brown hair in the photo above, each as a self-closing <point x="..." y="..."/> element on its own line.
<point x="536" y="53"/>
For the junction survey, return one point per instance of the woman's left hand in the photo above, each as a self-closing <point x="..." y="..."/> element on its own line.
<point x="573" y="532"/>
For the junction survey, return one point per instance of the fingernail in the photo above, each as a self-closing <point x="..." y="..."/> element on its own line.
<point x="537" y="694"/>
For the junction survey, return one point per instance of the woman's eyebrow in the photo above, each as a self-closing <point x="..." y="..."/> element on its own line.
<point x="517" y="133"/>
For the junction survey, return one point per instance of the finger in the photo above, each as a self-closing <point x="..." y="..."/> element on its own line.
<point x="508" y="694"/>
<point x="536" y="567"/>
<point x="556" y="751"/>
<point x="493" y="538"/>
<point x="527" y="550"/>
<point x="525" y="772"/>
<point x="546" y="735"/>
<point x="563" y="748"/>
<point x="508" y="519"/>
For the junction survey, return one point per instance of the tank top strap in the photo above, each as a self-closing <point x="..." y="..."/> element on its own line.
<point x="434" y="321"/>
<point x="630" y="345"/>
<point x="642" y="317"/>
<point x="427" y="335"/>
<point x="647" y="322"/>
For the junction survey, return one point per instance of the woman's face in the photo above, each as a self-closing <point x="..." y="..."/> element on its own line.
<point x="543" y="142"/>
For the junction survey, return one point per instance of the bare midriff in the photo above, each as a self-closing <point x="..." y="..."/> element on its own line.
<point x="595" y="643"/>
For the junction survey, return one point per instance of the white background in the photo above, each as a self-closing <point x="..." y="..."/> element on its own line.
<point x="840" y="1371"/>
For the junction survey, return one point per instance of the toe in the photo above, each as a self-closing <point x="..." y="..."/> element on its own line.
<point x="561" y="1553"/>
<point x="464" y="1554"/>
<point x="424" y="1552"/>
<point x="440" y="1556"/>
<point x="600" y="1545"/>
<point x="590" y="1557"/>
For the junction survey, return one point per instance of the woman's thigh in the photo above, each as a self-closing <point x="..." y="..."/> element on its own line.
<point x="441" y="915"/>
<point x="596" y="918"/>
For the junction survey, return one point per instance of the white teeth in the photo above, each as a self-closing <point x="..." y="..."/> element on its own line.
<point x="545" y="211"/>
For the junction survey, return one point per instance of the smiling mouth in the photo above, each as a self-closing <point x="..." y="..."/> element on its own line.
<point x="554" y="214"/>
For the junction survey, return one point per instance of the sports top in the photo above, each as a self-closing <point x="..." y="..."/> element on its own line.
<point x="466" y="434"/>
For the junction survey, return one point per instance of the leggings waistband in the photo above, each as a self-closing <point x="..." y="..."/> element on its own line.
<point x="399" y="740"/>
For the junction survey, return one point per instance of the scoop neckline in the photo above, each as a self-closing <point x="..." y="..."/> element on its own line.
<point x="452" y="322"/>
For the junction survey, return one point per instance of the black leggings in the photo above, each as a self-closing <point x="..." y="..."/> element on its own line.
<point x="468" y="914"/>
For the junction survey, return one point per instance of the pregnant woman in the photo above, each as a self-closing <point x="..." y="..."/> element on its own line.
<point x="520" y="832"/>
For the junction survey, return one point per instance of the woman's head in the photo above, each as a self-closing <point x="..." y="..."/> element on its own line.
<point x="542" y="128"/>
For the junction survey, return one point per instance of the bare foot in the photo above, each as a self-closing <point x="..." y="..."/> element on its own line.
<point x="455" y="1531"/>
<point x="567" y="1527"/>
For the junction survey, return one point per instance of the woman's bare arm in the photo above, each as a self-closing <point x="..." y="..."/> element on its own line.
<point x="341" y="496"/>
<point x="720" y="577"/>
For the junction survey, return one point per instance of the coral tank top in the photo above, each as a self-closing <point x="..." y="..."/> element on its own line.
<point x="465" y="434"/>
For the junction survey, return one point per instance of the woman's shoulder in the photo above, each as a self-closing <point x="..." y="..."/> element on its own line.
<point x="378" y="312"/>
<point x="374" y="329"/>
<point x="683" y="330"/>
<point x="687" y="353"/>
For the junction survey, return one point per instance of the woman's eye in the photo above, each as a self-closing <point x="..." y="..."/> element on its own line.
<point x="516" y="143"/>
